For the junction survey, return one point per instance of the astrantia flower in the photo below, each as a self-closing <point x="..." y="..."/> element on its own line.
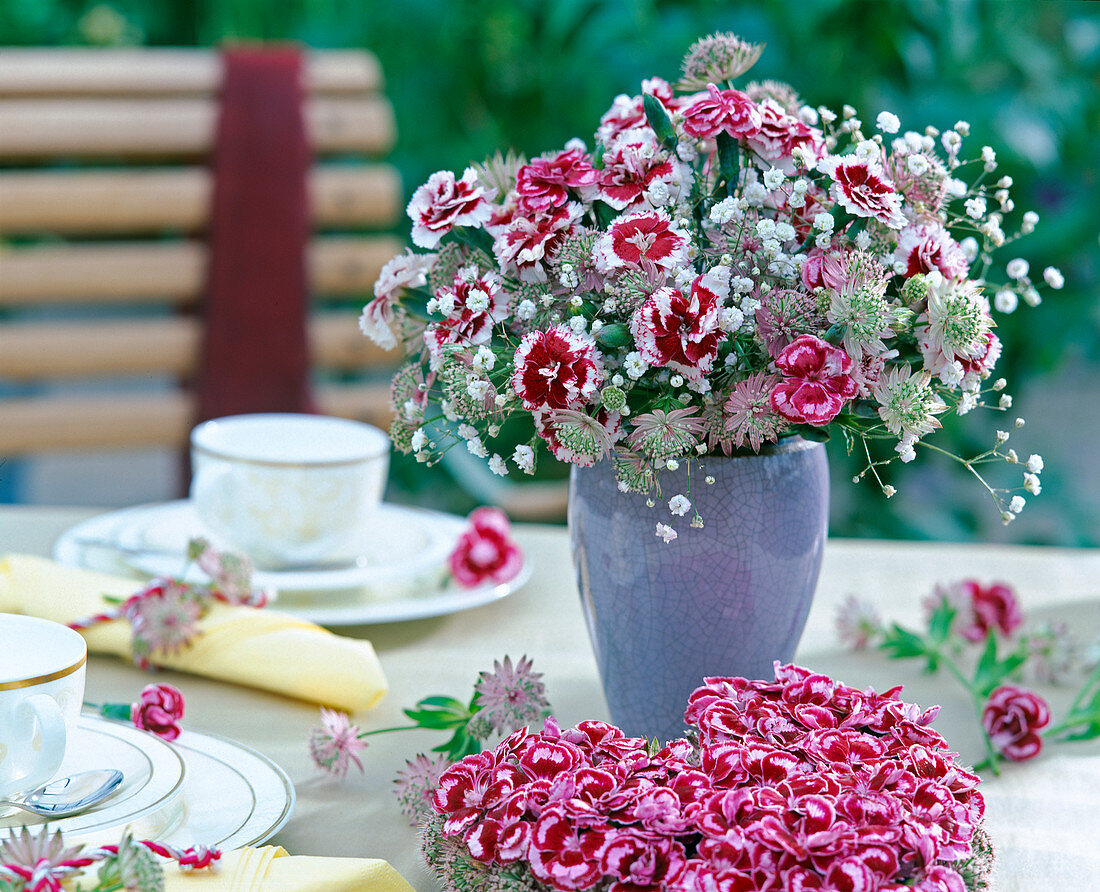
<point x="927" y="246"/>
<point x="164" y="619"/>
<point x="817" y="381"/>
<point x="716" y="58"/>
<point x="777" y="91"/>
<point x="680" y="331"/>
<point x="511" y="697"/>
<point x="642" y="237"/>
<point x="786" y="313"/>
<point x="555" y="369"/>
<point x="862" y="188"/>
<point x="958" y="320"/>
<point x="40" y="857"/>
<point x="722" y="111"/>
<point x="544" y="184"/>
<point x="633" y="471"/>
<point x="581" y="433"/>
<point x="860" y="307"/>
<point x="907" y="404"/>
<point x="230" y="573"/>
<point x="1013" y="718"/>
<point x="665" y="434"/>
<point x="443" y="203"/>
<point x="750" y="419"/>
<point x="334" y="743"/>
<point x="857" y="622"/>
<point x="415" y="785"/>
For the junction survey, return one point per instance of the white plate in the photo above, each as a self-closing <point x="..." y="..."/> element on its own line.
<point x="198" y="790"/>
<point x="149" y="795"/>
<point x="405" y="584"/>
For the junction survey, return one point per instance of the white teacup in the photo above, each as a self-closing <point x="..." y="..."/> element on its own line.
<point x="288" y="490"/>
<point x="41" y="692"/>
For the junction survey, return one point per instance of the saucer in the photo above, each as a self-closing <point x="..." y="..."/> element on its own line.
<point x="199" y="789"/>
<point x="402" y="575"/>
<point x="149" y="795"/>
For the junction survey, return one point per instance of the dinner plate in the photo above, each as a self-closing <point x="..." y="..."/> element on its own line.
<point x="198" y="790"/>
<point x="407" y="583"/>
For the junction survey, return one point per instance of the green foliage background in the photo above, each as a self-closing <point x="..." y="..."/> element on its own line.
<point x="469" y="76"/>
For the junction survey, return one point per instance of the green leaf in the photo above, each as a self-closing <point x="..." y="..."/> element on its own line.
<point x="659" y="120"/>
<point x="439" y="713"/>
<point x="614" y="335"/>
<point x="900" y="643"/>
<point x="729" y="161"/>
<point x="461" y="744"/>
<point x="813" y="434"/>
<point x="442" y="703"/>
<point x="475" y="239"/>
<point x="939" y="623"/>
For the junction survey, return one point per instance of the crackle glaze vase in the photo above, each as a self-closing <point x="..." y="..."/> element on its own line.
<point x="726" y="599"/>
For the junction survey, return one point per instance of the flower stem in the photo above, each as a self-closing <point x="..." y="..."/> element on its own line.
<point x="388" y="730"/>
<point x="992" y="757"/>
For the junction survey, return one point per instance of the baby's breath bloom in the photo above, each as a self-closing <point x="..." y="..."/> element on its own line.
<point x="679" y="505"/>
<point x="664" y="531"/>
<point x="1054" y="278"/>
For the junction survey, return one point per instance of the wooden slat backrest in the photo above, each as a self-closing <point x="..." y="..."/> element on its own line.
<point x="104" y="202"/>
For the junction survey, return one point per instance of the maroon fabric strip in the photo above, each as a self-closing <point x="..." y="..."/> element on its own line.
<point x="255" y="355"/>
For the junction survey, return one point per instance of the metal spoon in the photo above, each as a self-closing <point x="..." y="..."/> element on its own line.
<point x="69" y="795"/>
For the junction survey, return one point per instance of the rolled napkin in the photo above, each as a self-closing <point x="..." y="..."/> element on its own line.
<point x="259" y="648"/>
<point x="271" y="869"/>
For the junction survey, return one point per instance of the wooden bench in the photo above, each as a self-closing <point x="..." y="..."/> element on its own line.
<point x="104" y="201"/>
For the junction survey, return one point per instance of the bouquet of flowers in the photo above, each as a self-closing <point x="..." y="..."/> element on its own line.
<point x="801" y="783"/>
<point x="725" y="268"/>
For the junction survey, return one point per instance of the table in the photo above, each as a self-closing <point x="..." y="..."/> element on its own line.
<point x="1044" y="816"/>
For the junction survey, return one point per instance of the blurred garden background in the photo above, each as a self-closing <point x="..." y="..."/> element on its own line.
<point x="467" y="77"/>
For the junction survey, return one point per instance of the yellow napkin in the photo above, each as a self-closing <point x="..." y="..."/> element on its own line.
<point x="271" y="869"/>
<point x="257" y="648"/>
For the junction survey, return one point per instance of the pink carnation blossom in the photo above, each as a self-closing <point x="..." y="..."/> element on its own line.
<point x="159" y="711"/>
<point x="406" y="270"/>
<point x="642" y="238"/>
<point x="544" y="184"/>
<point x="722" y="111"/>
<point x="443" y="203"/>
<point x="824" y="269"/>
<point x="634" y="164"/>
<point x="485" y="551"/>
<point x="862" y="188"/>
<point x="926" y="246"/>
<point x="781" y="133"/>
<point x="680" y="331"/>
<point x="991" y="607"/>
<point x="1013" y="718"/>
<point x="818" y="381"/>
<point x="555" y="369"/>
<point x="524" y="245"/>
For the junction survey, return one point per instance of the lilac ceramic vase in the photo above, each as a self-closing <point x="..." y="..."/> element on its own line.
<point x="727" y="599"/>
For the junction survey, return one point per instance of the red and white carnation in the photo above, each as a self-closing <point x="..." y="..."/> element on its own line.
<point x="817" y="381"/>
<point x="628" y="112"/>
<point x="681" y="331"/>
<point x="722" y="111"/>
<point x="556" y="369"/>
<point x="545" y="183"/>
<point x="406" y="270"/>
<point x="524" y="245"/>
<point x="637" y="172"/>
<point x="443" y="203"/>
<point x="472" y="304"/>
<point x="862" y="188"/>
<point x="486" y="552"/>
<point x="641" y="238"/>
<point x="780" y="134"/>
<point x="926" y="246"/>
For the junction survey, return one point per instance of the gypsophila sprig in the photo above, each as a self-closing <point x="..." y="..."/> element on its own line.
<point x="978" y="634"/>
<point x="505" y="699"/>
<point x="724" y="268"/>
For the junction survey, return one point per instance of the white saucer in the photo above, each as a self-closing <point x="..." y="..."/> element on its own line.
<point x="149" y="795"/>
<point x="401" y="577"/>
<point x="197" y="790"/>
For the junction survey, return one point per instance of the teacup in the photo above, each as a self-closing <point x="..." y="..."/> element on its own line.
<point x="42" y="667"/>
<point x="288" y="490"/>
